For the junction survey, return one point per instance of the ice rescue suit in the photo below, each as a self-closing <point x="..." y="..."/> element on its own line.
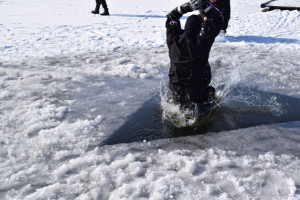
<point x="190" y="73"/>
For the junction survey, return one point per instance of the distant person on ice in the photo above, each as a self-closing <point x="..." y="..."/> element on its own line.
<point x="104" y="5"/>
<point x="190" y="73"/>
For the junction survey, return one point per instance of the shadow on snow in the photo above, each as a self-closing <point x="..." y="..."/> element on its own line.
<point x="140" y="16"/>
<point x="143" y="16"/>
<point x="261" y="39"/>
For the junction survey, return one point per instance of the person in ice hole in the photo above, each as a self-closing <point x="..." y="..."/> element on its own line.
<point x="190" y="73"/>
<point x="224" y="8"/>
<point x="104" y="5"/>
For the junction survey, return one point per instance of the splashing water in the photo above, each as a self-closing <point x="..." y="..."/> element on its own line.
<point x="172" y="112"/>
<point x="231" y="98"/>
<point x="247" y="100"/>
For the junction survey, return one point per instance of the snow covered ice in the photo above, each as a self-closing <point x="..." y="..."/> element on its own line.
<point x="292" y="3"/>
<point x="69" y="80"/>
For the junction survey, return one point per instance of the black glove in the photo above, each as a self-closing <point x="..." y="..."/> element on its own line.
<point x="185" y="8"/>
<point x="209" y="10"/>
<point x="198" y="4"/>
<point x="174" y="14"/>
<point x="177" y="12"/>
<point x="172" y="23"/>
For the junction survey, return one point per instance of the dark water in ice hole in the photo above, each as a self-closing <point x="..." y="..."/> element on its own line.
<point x="240" y="108"/>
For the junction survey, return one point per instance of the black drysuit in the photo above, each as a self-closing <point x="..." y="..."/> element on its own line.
<point x="224" y="7"/>
<point x="190" y="73"/>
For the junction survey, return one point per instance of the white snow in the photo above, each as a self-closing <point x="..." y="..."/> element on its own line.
<point x="68" y="79"/>
<point x="291" y="3"/>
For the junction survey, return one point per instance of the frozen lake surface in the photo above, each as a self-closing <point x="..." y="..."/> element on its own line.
<point x="291" y="3"/>
<point x="83" y="97"/>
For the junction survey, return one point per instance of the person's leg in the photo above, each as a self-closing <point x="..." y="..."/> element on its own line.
<point x="210" y="94"/>
<point x="197" y="94"/>
<point x="202" y="94"/>
<point x="204" y="98"/>
<point x="96" y="10"/>
<point x="180" y="96"/>
<point x="104" y="5"/>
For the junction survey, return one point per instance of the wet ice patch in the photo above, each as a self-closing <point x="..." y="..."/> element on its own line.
<point x="255" y="66"/>
<point x="56" y="108"/>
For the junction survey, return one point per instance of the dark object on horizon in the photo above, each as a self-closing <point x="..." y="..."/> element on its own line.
<point x="268" y="7"/>
<point x="104" y="5"/>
